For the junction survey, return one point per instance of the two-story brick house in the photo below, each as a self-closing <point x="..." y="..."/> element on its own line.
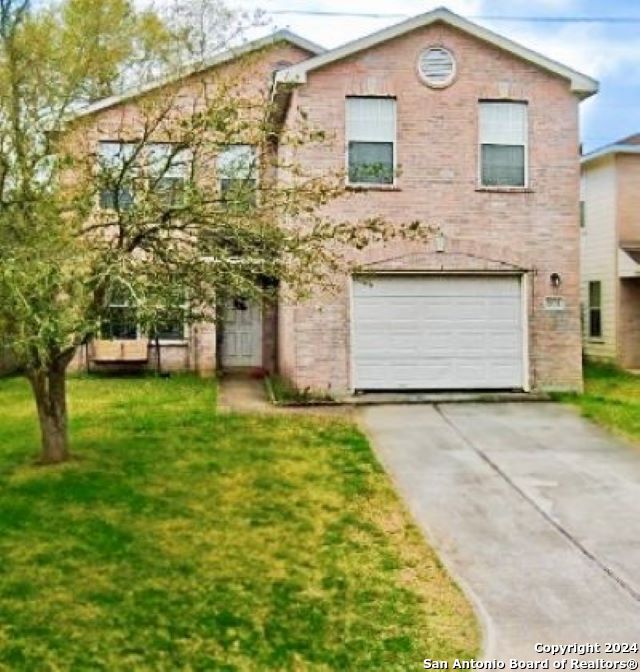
<point x="476" y="136"/>
<point x="610" y="196"/>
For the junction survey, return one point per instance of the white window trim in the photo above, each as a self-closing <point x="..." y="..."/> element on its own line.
<point x="178" y="170"/>
<point x="186" y="333"/>
<point x="145" y="151"/>
<point x="99" y="156"/>
<point x="504" y="187"/>
<point x="390" y="186"/>
<point x="182" y="164"/>
<point x="145" y="336"/>
<point x="257" y="166"/>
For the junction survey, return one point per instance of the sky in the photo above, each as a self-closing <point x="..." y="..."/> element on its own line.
<point x="609" y="52"/>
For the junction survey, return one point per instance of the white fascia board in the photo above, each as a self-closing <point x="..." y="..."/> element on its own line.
<point x="609" y="150"/>
<point x="581" y="85"/>
<point x="627" y="266"/>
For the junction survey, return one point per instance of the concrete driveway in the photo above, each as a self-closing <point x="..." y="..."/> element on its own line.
<point x="535" y="511"/>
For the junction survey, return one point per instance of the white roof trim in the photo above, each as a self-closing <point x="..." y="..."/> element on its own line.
<point x="581" y="85"/>
<point x="627" y="266"/>
<point x="193" y="68"/>
<point x="609" y="150"/>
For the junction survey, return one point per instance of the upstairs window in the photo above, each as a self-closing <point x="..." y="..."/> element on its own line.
<point x="371" y="140"/>
<point x="165" y="167"/>
<point x="503" y="144"/>
<point x="115" y="178"/>
<point x="238" y="176"/>
<point x="595" y="309"/>
<point x="168" y="167"/>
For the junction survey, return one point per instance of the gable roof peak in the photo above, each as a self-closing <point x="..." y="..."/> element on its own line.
<point x="582" y="85"/>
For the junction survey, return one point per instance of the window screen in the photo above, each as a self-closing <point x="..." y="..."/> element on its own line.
<point x="237" y="174"/>
<point x="115" y="177"/>
<point x="503" y="144"/>
<point x="168" y="167"/>
<point x="371" y="137"/>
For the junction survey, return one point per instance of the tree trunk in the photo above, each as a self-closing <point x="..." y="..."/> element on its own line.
<point x="49" y="389"/>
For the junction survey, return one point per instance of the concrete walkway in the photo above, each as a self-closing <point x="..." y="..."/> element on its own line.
<point x="535" y="511"/>
<point x="242" y="394"/>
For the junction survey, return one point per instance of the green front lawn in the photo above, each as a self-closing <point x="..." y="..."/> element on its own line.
<point x="182" y="540"/>
<point x="611" y="397"/>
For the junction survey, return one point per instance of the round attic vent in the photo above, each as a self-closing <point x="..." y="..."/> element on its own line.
<point x="437" y="67"/>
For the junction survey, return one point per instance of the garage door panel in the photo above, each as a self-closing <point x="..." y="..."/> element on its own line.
<point x="505" y="344"/>
<point x="469" y="343"/>
<point x="439" y="286"/>
<point x="373" y="309"/>
<point x="438" y="332"/>
<point x="441" y="343"/>
<point x="446" y="374"/>
<point x="446" y="377"/>
<point x="467" y="310"/>
<point x="501" y="309"/>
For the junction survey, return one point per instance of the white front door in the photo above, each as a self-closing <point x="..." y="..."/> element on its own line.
<point x="242" y="335"/>
<point x="438" y="332"/>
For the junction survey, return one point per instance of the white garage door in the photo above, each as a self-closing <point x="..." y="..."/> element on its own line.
<point x="437" y="332"/>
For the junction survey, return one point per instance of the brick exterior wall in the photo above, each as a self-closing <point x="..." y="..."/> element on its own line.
<point x="197" y="353"/>
<point x="253" y="72"/>
<point x="535" y="230"/>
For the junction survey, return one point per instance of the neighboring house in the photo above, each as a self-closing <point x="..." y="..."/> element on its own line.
<point x="611" y="252"/>
<point x="470" y="133"/>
